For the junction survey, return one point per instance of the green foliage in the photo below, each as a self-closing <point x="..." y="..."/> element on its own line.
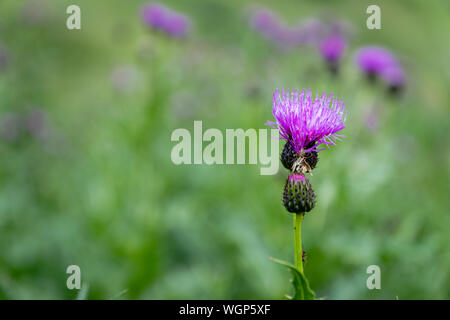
<point x="302" y="290"/>
<point x="98" y="189"/>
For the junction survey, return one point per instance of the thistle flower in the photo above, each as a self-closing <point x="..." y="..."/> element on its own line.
<point x="177" y="25"/>
<point x="343" y="27"/>
<point x="36" y="123"/>
<point x="394" y="76"/>
<point x="331" y="49"/>
<point x="373" y="60"/>
<point x="159" y="17"/>
<point x="267" y="23"/>
<point x="273" y="28"/>
<point x="306" y="122"/>
<point x="155" y="15"/>
<point x="312" y="31"/>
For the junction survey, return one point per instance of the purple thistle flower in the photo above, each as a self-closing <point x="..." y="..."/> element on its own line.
<point x="266" y="23"/>
<point x="177" y="25"/>
<point x="373" y="60"/>
<point x="312" y="30"/>
<point x="342" y="27"/>
<point x="36" y="123"/>
<point x="155" y="15"/>
<point x="305" y="121"/>
<point x="159" y="17"/>
<point x="394" y="76"/>
<point x="332" y="47"/>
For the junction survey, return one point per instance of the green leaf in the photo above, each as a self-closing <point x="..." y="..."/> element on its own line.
<point x="302" y="290"/>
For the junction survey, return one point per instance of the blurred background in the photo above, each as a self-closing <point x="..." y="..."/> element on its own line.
<point x="86" y="118"/>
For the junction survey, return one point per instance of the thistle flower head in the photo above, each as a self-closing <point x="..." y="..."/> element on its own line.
<point x="306" y="121"/>
<point x="177" y="25"/>
<point x="312" y="31"/>
<point x="332" y="47"/>
<point x="394" y="76"/>
<point x="159" y="17"/>
<point x="266" y="22"/>
<point x="373" y="60"/>
<point x="155" y="15"/>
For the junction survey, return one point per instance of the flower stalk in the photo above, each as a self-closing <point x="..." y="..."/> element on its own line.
<point x="298" y="219"/>
<point x="305" y="122"/>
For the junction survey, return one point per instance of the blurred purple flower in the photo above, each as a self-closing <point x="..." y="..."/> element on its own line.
<point x="36" y="123"/>
<point x="177" y="25"/>
<point x="373" y="60"/>
<point x="312" y="30"/>
<point x="35" y="12"/>
<point x="155" y="15"/>
<point x="342" y="27"/>
<point x="15" y="125"/>
<point x="159" y="17"/>
<point x="394" y="76"/>
<point x="266" y="23"/>
<point x="305" y="121"/>
<point x="332" y="47"/>
<point x="289" y="37"/>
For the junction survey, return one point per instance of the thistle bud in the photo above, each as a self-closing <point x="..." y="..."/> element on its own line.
<point x="298" y="195"/>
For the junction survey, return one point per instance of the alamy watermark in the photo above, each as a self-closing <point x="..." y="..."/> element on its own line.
<point x="374" y="280"/>
<point x="74" y="280"/>
<point x="190" y="149"/>
<point x="374" y="20"/>
<point x="74" y="20"/>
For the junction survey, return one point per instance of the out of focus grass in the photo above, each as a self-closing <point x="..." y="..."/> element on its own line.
<point x="94" y="184"/>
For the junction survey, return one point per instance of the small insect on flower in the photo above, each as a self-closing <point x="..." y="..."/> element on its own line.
<point x="305" y="122"/>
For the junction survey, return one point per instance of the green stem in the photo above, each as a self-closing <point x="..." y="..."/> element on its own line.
<point x="298" y="219"/>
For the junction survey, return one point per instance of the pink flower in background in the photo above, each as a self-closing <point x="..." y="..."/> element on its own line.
<point x="394" y="76"/>
<point x="332" y="47"/>
<point x="159" y="17"/>
<point x="177" y="25"/>
<point x="155" y="15"/>
<point x="373" y="60"/>
<point x="266" y="23"/>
